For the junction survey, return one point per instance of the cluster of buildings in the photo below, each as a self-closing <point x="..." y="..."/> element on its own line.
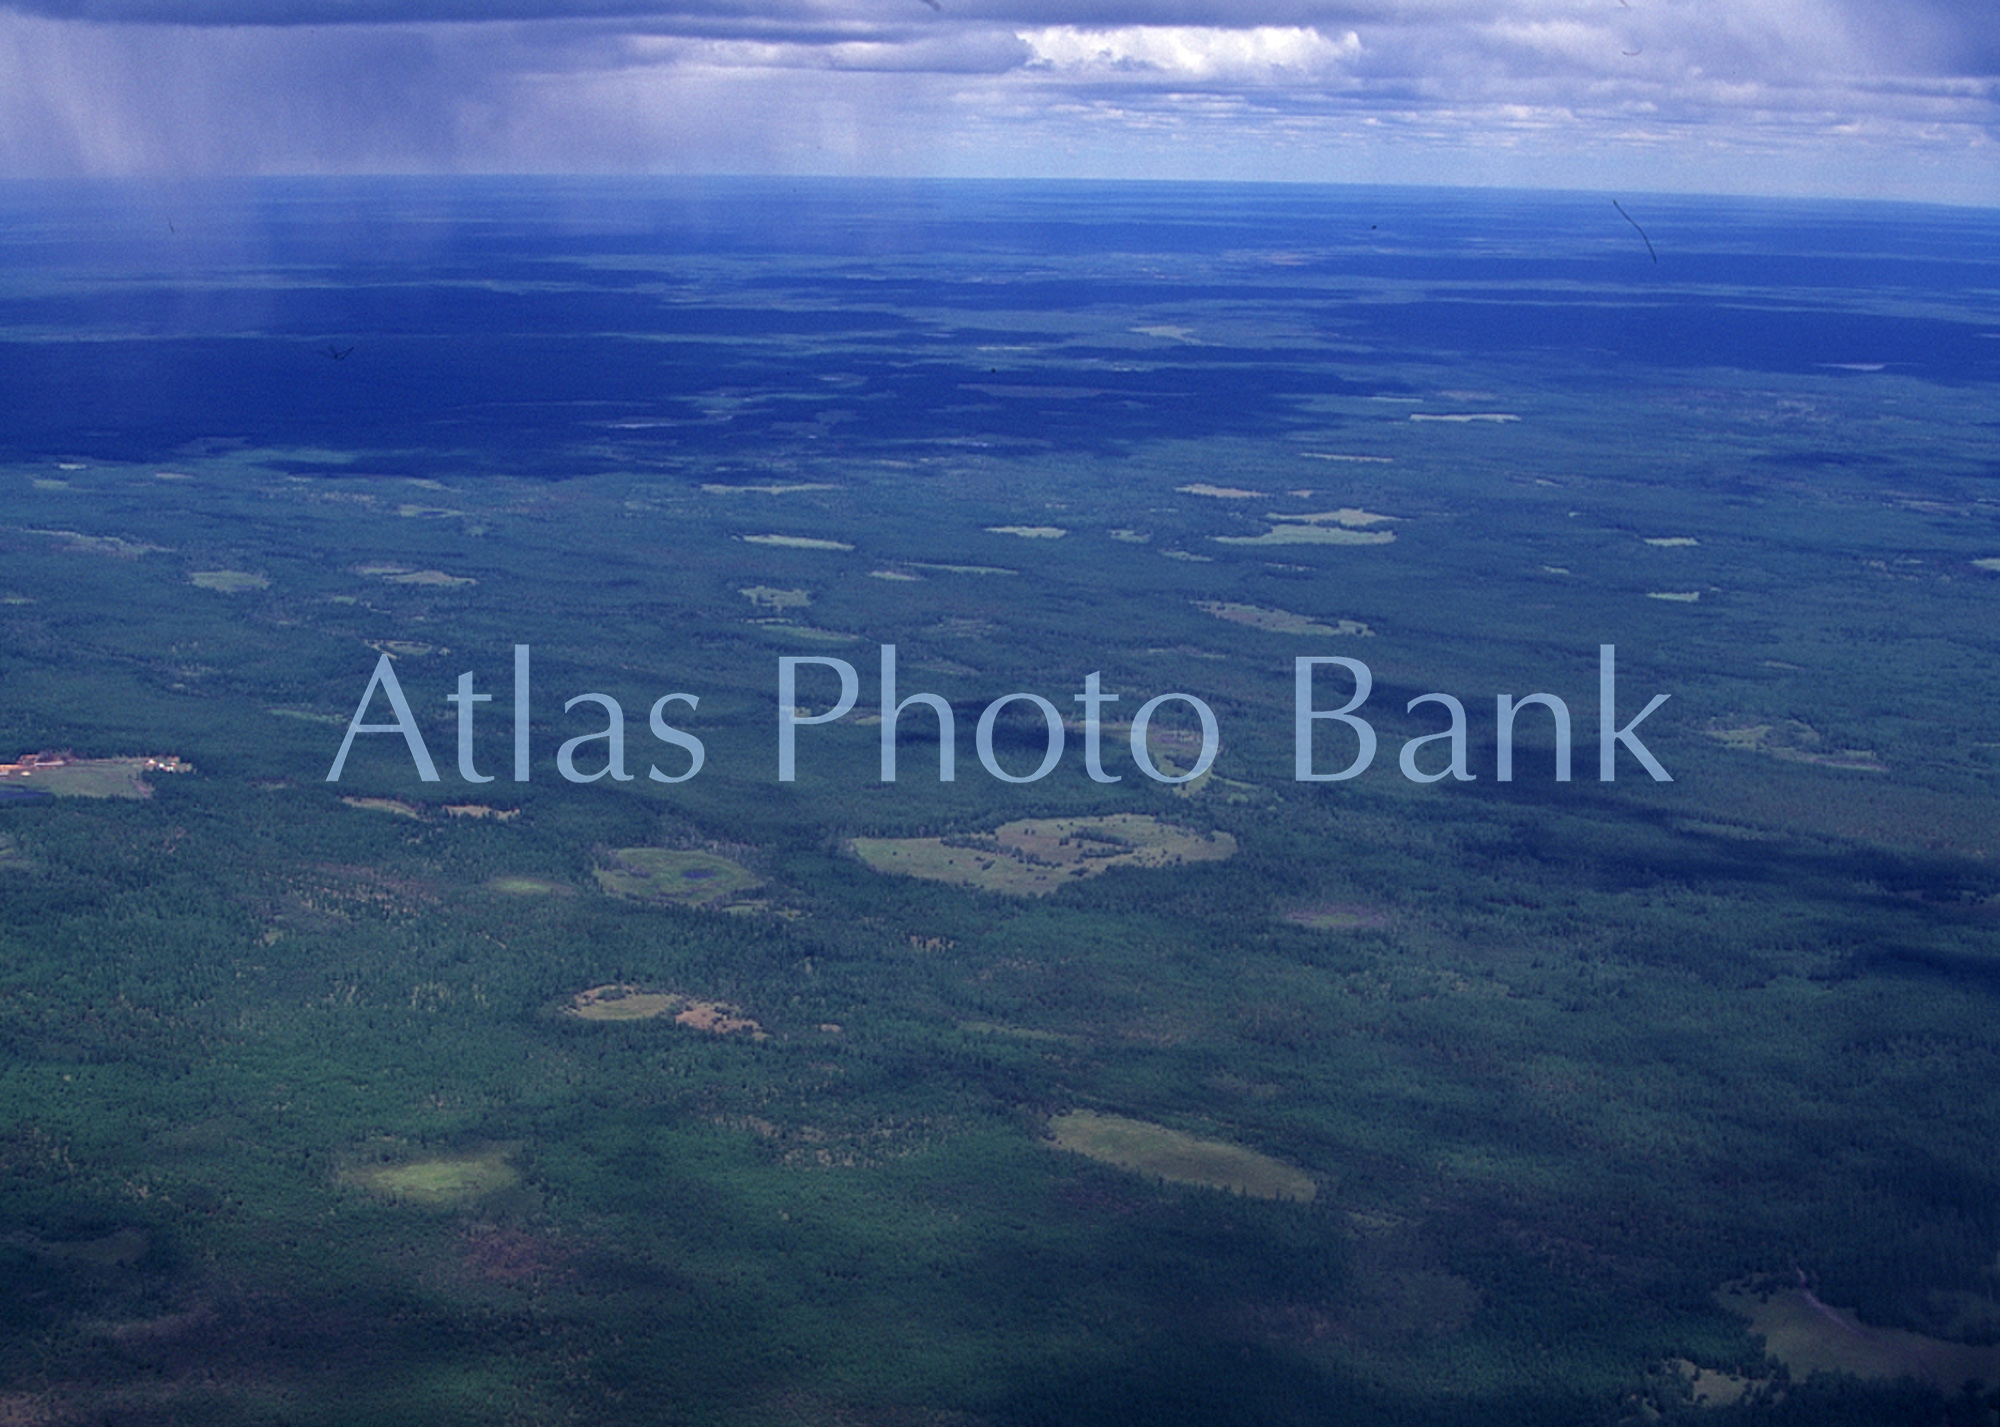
<point x="46" y="761"/>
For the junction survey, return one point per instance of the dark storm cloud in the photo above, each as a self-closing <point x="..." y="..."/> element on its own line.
<point x="1931" y="37"/>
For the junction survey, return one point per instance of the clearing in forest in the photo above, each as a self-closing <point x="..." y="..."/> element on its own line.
<point x="1278" y="621"/>
<point x="1301" y="533"/>
<point x="620" y="1002"/>
<point x="63" y="775"/>
<point x="1034" y="856"/>
<point x="229" y="582"/>
<point x="771" y="597"/>
<point x="1146" y="1148"/>
<point x="442" y="1179"/>
<point x="395" y="806"/>
<point x="409" y="575"/>
<point x="1791" y="741"/>
<point x="797" y="542"/>
<point x="1808" y="1336"/>
<point x="686" y="879"/>
<point x="525" y="886"/>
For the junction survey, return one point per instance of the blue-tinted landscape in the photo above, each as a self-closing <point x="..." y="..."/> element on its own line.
<point x="1173" y="1088"/>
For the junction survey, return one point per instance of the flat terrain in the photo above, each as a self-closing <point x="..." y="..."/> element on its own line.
<point x="688" y="879"/>
<point x="1182" y="1158"/>
<point x="1809" y="1337"/>
<point x="442" y="1180"/>
<point x="1257" y="1102"/>
<point x="1035" y="856"/>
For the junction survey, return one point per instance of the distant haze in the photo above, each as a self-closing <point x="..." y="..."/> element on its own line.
<point x="1853" y="98"/>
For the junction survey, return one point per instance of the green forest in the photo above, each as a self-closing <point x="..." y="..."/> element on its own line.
<point x="1210" y="1095"/>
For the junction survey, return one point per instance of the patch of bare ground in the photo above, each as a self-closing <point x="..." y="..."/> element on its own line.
<point x="482" y="810"/>
<point x="717" y="1018"/>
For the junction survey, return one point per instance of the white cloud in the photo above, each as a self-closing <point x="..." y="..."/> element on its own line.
<point x="1194" y="52"/>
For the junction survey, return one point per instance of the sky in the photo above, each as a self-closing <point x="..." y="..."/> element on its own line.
<point x="1847" y="98"/>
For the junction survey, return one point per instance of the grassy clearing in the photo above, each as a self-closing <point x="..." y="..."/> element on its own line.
<point x="406" y="575"/>
<point x="810" y="633"/>
<point x="623" y="1003"/>
<point x="1348" y="515"/>
<point x="1807" y="1336"/>
<point x="94" y="778"/>
<point x="1277" y="621"/>
<point x="619" y="1002"/>
<point x="308" y="716"/>
<point x="1033" y="857"/>
<point x="686" y="879"/>
<point x="1024" y="1033"/>
<point x="1304" y="534"/>
<point x="229" y="582"/>
<point x="797" y="542"/>
<point x="443" y="1179"/>
<point x="116" y="546"/>
<point x="394" y="806"/>
<point x="1146" y="1148"/>
<point x="525" y="887"/>
<point x="771" y="597"/>
<point x="1791" y="741"/>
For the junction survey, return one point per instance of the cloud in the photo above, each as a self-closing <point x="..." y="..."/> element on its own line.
<point x="955" y="52"/>
<point x="1189" y="52"/>
<point x="1831" y="95"/>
